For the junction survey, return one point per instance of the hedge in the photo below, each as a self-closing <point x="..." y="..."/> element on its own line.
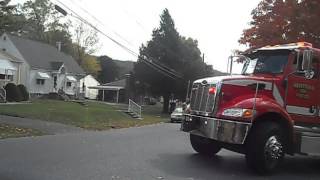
<point x="24" y="92"/>
<point x="13" y="93"/>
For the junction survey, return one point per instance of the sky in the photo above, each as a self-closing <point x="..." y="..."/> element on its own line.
<point x="217" y="25"/>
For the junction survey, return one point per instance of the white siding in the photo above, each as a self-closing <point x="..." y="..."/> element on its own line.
<point x="11" y="49"/>
<point x="71" y="90"/>
<point x="35" y="88"/>
<point x="48" y="86"/>
<point x="89" y="81"/>
<point x="16" y="73"/>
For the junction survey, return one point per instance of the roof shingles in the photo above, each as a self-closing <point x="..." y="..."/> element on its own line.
<point x="41" y="56"/>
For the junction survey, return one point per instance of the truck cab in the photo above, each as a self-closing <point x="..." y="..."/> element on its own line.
<point x="268" y="110"/>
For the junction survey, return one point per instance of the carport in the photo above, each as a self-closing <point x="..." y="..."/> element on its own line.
<point x="113" y="87"/>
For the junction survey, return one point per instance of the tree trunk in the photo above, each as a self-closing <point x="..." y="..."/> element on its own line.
<point x="165" y="108"/>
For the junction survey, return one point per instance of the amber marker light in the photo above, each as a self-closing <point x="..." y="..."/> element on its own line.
<point x="248" y="113"/>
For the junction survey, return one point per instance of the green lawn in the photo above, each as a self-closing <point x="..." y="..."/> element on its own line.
<point x="9" y="131"/>
<point x="97" y="116"/>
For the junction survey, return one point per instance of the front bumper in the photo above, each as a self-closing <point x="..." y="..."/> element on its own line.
<point x="217" y="129"/>
<point x="180" y="119"/>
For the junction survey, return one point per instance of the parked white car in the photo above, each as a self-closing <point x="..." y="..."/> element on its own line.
<point x="177" y="115"/>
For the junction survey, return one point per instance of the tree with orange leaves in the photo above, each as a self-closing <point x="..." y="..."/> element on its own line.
<point x="283" y="21"/>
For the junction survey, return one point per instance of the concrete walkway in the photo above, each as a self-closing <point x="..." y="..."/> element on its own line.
<point x="44" y="126"/>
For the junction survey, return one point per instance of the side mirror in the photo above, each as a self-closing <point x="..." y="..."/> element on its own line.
<point x="307" y="60"/>
<point x="307" y="64"/>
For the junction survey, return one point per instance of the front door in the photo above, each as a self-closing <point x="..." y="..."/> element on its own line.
<point x="303" y="94"/>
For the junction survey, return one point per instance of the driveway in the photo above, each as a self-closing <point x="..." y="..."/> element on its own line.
<point x="146" y="153"/>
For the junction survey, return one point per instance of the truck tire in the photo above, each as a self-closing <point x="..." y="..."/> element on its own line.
<point x="204" y="146"/>
<point x="265" y="148"/>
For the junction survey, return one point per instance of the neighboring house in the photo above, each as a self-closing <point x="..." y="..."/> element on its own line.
<point x="44" y="69"/>
<point x="112" y="92"/>
<point x="10" y="68"/>
<point x="87" y="82"/>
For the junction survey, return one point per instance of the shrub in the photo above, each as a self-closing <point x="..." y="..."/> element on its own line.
<point x="24" y="92"/>
<point x="13" y="93"/>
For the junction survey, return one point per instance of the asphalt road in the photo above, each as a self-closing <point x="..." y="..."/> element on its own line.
<point x="145" y="153"/>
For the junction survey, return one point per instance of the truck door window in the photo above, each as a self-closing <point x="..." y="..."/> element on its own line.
<point x="298" y="65"/>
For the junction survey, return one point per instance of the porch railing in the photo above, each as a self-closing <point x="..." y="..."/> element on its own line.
<point x="134" y="108"/>
<point x="3" y="95"/>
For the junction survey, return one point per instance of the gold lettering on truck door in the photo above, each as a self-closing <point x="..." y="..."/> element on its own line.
<point x="303" y="90"/>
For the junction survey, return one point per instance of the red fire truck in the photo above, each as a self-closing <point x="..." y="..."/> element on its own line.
<point x="270" y="109"/>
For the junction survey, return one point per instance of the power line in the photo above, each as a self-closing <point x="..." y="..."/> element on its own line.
<point x="100" y="22"/>
<point x="95" y="28"/>
<point x="135" y="20"/>
<point x="161" y="68"/>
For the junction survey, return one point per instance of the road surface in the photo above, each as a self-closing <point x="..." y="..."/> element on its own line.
<point x="146" y="153"/>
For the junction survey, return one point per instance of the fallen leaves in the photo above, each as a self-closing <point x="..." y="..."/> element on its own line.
<point x="10" y="131"/>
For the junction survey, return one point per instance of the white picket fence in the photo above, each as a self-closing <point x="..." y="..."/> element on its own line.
<point x="134" y="108"/>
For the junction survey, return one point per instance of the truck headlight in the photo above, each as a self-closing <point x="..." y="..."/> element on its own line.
<point x="238" y="112"/>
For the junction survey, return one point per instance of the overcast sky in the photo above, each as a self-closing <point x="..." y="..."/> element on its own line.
<point x="217" y="25"/>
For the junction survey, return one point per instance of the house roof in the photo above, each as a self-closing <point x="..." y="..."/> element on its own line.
<point x="119" y="83"/>
<point x="41" y="56"/>
<point x="56" y="65"/>
<point x="113" y="86"/>
<point x="5" y="55"/>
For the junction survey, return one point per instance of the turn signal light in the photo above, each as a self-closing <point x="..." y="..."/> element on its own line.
<point x="248" y="113"/>
<point x="212" y="90"/>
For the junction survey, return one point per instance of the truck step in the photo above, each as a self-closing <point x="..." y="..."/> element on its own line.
<point x="310" y="144"/>
<point x="310" y="139"/>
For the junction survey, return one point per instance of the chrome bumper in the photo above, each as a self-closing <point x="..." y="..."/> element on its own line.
<point x="218" y="129"/>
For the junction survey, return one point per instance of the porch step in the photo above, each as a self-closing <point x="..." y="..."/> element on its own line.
<point x="132" y="114"/>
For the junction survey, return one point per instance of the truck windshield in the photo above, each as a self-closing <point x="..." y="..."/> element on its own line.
<point x="271" y="62"/>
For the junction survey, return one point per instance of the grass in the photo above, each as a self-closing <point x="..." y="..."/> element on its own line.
<point x="9" y="131"/>
<point x="96" y="116"/>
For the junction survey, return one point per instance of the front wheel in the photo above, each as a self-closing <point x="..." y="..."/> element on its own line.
<point x="204" y="146"/>
<point x="265" y="148"/>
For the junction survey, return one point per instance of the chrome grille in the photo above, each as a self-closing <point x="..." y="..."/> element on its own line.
<point x="201" y="100"/>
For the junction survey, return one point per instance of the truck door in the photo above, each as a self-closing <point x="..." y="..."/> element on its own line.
<point x="302" y="101"/>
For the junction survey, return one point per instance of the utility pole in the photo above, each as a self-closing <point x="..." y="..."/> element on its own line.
<point x="188" y="90"/>
<point x="203" y="57"/>
<point x="59" y="45"/>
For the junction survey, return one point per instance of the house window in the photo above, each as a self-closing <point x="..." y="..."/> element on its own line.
<point x="69" y="84"/>
<point x="3" y="77"/>
<point x="40" y="81"/>
<point x="55" y="78"/>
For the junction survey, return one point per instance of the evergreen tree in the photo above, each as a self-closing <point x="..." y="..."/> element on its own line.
<point x="174" y="52"/>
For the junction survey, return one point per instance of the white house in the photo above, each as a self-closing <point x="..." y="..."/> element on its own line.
<point x="9" y="69"/>
<point x="87" y="82"/>
<point x="42" y="68"/>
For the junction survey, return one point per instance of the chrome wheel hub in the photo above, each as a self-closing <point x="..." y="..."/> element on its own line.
<point x="273" y="149"/>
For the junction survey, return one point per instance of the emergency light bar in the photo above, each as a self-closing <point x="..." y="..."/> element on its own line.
<point x="287" y="46"/>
